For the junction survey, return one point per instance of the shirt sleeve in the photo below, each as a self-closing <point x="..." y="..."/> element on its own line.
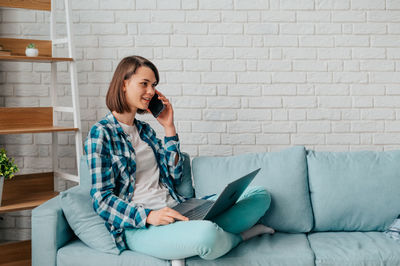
<point x="168" y="153"/>
<point x="114" y="210"/>
<point x="172" y="151"/>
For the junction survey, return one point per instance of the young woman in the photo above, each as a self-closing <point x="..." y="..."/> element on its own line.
<point x="134" y="177"/>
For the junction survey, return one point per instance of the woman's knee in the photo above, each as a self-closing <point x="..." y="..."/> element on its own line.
<point x="259" y="195"/>
<point x="212" y="241"/>
<point x="206" y="236"/>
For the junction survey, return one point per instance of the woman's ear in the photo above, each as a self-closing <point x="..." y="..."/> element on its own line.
<point x="124" y="85"/>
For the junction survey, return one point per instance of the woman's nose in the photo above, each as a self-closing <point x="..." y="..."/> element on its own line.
<point x="151" y="90"/>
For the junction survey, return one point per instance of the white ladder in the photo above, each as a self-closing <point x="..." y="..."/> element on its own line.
<point x="74" y="90"/>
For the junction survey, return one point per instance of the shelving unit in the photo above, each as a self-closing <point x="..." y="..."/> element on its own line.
<point x="30" y="190"/>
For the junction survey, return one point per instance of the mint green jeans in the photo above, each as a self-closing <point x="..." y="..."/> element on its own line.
<point x="207" y="239"/>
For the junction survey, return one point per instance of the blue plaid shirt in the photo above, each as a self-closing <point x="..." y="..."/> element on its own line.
<point x="112" y="164"/>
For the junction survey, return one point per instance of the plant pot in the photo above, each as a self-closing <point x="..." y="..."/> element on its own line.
<point x="31" y="52"/>
<point x="1" y="187"/>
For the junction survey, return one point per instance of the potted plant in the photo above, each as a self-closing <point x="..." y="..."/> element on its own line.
<point x="31" y="50"/>
<point x="7" y="169"/>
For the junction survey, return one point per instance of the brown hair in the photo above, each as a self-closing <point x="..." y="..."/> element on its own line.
<point x="115" y="98"/>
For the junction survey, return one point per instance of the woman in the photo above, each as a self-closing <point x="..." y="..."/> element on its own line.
<point x="134" y="178"/>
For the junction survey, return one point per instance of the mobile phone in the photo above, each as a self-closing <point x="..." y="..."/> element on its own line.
<point x="156" y="106"/>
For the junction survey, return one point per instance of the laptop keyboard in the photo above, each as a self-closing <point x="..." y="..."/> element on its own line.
<point x="199" y="212"/>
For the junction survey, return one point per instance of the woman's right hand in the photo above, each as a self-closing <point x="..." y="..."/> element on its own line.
<point x="164" y="216"/>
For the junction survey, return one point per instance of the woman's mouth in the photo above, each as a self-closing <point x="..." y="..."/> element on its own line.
<point x="146" y="99"/>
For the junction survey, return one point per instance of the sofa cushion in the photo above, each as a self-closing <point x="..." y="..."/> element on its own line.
<point x="354" y="191"/>
<point x="78" y="254"/>
<point x="279" y="249"/>
<point x="354" y="248"/>
<point x="85" y="222"/>
<point x="283" y="174"/>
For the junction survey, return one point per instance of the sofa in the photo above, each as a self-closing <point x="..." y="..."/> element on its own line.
<point x="328" y="208"/>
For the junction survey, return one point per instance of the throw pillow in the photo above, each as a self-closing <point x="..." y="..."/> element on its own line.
<point x="85" y="222"/>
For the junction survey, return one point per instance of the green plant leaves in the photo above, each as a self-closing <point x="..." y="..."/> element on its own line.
<point x="7" y="165"/>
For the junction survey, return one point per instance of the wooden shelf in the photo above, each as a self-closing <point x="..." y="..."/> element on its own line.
<point x="18" y="46"/>
<point x="24" y="192"/>
<point x="40" y="59"/>
<point x="28" y="202"/>
<point x="27" y="262"/>
<point x="15" y="253"/>
<point x="44" y="129"/>
<point x="21" y="120"/>
<point x="27" y="4"/>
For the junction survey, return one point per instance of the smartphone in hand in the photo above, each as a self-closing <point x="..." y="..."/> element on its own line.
<point x="156" y="106"/>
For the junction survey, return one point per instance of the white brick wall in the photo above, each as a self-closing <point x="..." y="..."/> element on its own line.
<point x="244" y="76"/>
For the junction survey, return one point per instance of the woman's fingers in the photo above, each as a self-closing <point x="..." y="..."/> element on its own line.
<point x="167" y="220"/>
<point x="165" y="216"/>
<point x="162" y="97"/>
<point x="171" y="215"/>
<point x="160" y="94"/>
<point x="176" y="215"/>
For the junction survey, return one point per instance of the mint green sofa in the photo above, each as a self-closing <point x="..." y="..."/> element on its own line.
<point x="328" y="208"/>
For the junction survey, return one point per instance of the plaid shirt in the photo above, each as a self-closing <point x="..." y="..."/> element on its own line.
<point x="112" y="164"/>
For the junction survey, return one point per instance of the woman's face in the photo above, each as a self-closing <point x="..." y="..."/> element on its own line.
<point x="140" y="88"/>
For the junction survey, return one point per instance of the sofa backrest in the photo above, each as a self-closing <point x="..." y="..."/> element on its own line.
<point x="85" y="181"/>
<point x="283" y="174"/>
<point x="354" y="191"/>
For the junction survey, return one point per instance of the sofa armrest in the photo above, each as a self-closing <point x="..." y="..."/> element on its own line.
<point x="50" y="231"/>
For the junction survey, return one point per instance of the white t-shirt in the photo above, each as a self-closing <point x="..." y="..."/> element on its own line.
<point x="148" y="190"/>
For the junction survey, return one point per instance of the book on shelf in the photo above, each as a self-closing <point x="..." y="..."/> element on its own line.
<point x="5" y="52"/>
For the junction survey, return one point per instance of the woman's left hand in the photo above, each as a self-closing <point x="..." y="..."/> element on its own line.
<point x="166" y="118"/>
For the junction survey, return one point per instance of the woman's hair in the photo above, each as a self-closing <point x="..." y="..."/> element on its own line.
<point x="115" y="98"/>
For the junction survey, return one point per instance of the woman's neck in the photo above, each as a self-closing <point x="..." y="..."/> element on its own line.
<point x="126" y="118"/>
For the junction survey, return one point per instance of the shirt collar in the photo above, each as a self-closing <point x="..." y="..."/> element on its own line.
<point x="138" y="125"/>
<point x="111" y="118"/>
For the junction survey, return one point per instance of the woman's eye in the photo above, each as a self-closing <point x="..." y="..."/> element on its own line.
<point x="144" y="84"/>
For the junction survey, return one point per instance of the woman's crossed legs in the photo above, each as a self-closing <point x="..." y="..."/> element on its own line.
<point x="207" y="239"/>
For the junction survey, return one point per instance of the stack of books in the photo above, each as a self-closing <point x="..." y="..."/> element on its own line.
<point x="4" y="52"/>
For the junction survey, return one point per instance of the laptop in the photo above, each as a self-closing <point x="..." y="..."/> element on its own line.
<point x="202" y="209"/>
